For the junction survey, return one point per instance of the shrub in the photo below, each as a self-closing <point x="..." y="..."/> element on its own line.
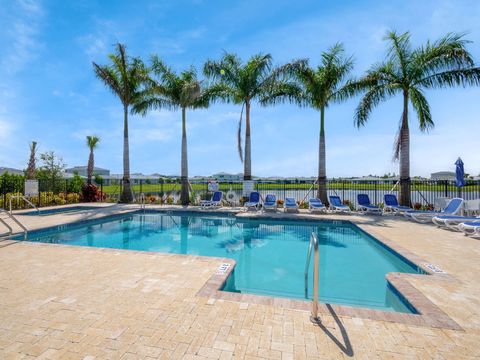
<point x="280" y="203"/>
<point x="90" y="193"/>
<point x="303" y="204"/>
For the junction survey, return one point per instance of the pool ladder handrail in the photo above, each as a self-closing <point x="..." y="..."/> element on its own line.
<point x="142" y="201"/>
<point x="313" y="245"/>
<point x="10" y="230"/>
<point x="24" y="199"/>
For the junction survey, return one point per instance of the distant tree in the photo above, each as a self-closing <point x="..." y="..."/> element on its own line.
<point x="75" y="184"/>
<point x="51" y="170"/>
<point x="92" y="143"/>
<point x="124" y="78"/>
<point x="408" y="72"/>
<point x="98" y="179"/>
<point x="32" y="161"/>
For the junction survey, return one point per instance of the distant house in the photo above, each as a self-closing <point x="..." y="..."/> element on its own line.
<point x="4" y="170"/>
<point x="82" y="171"/>
<point x="442" y="175"/>
<point x="135" y="179"/>
<point x="226" y="177"/>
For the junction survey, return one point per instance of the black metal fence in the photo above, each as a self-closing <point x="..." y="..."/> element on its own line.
<point x="423" y="192"/>
<point x="65" y="191"/>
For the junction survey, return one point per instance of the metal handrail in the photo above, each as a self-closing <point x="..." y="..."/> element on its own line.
<point x="24" y="199"/>
<point x="25" y="231"/>
<point x="313" y="244"/>
<point x="10" y="230"/>
<point x="142" y="201"/>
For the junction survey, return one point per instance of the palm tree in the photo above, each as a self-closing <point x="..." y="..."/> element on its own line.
<point x="321" y="86"/>
<point x="92" y="142"/>
<point x="169" y="90"/>
<point x="123" y="77"/>
<point x="244" y="83"/>
<point x="406" y="71"/>
<point x="32" y="161"/>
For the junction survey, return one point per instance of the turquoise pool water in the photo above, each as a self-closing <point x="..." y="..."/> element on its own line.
<point x="270" y="254"/>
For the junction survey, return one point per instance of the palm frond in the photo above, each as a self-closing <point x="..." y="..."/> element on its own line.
<point x="109" y="78"/>
<point x="371" y="99"/>
<point x="239" y="135"/>
<point x="459" y="77"/>
<point x="421" y="107"/>
<point x="400" y="50"/>
<point x="447" y="53"/>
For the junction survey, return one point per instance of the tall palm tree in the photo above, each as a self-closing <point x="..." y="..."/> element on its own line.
<point x="92" y="142"/>
<point x="168" y="90"/>
<point x="409" y="72"/>
<point x="321" y="86"/>
<point x="32" y="161"/>
<point x="123" y="77"/>
<point x="244" y="83"/>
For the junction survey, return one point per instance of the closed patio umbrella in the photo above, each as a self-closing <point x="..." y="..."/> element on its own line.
<point x="459" y="175"/>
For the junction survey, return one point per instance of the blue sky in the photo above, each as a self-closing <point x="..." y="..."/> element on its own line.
<point x="48" y="91"/>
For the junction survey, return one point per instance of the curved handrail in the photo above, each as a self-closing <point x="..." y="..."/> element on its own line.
<point x="25" y="231"/>
<point x="24" y="199"/>
<point x="313" y="244"/>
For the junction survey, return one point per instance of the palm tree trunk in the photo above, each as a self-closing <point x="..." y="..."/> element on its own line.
<point x="90" y="167"/>
<point x="322" y="171"/>
<point x="405" y="181"/>
<point x="127" y="195"/>
<point x="247" y="170"/>
<point x="184" y="197"/>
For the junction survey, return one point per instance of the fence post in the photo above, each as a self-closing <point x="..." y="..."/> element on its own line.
<point x="141" y="186"/>
<point x="376" y="189"/>
<point x="446" y="188"/>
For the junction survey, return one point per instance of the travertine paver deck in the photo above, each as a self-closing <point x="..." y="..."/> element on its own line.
<point x="66" y="302"/>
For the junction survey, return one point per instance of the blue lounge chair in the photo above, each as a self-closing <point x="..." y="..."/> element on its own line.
<point x="270" y="203"/>
<point x="391" y="205"/>
<point x="316" y="205"/>
<point x="290" y="205"/>
<point x="365" y="206"/>
<point x="454" y="207"/>
<point x="452" y="221"/>
<point x="216" y="200"/>
<point x="253" y="201"/>
<point x="470" y="228"/>
<point x="337" y="205"/>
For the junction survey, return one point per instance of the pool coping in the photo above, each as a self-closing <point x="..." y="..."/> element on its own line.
<point x="429" y="315"/>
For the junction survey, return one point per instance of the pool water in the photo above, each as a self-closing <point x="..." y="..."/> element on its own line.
<point x="60" y="210"/>
<point x="270" y="254"/>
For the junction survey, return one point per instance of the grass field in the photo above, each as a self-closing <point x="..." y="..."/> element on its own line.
<point x="156" y="188"/>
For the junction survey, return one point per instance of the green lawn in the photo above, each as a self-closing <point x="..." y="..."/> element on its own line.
<point x="155" y="188"/>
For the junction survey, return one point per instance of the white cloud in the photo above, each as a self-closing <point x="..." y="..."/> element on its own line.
<point x="23" y="34"/>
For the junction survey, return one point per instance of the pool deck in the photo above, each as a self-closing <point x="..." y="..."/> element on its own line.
<point x="68" y="302"/>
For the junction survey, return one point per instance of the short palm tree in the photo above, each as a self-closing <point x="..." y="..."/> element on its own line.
<point x="92" y="142"/>
<point x="243" y="83"/>
<point x="168" y="90"/>
<point x="31" y="169"/>
<point x="406" y="71"/>
<point x="123" y="77"/>
<point x="321" y="86"/>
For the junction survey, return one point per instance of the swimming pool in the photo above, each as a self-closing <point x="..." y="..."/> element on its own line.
<point x="270" y="254"/>
<point x="59" y="210"/>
